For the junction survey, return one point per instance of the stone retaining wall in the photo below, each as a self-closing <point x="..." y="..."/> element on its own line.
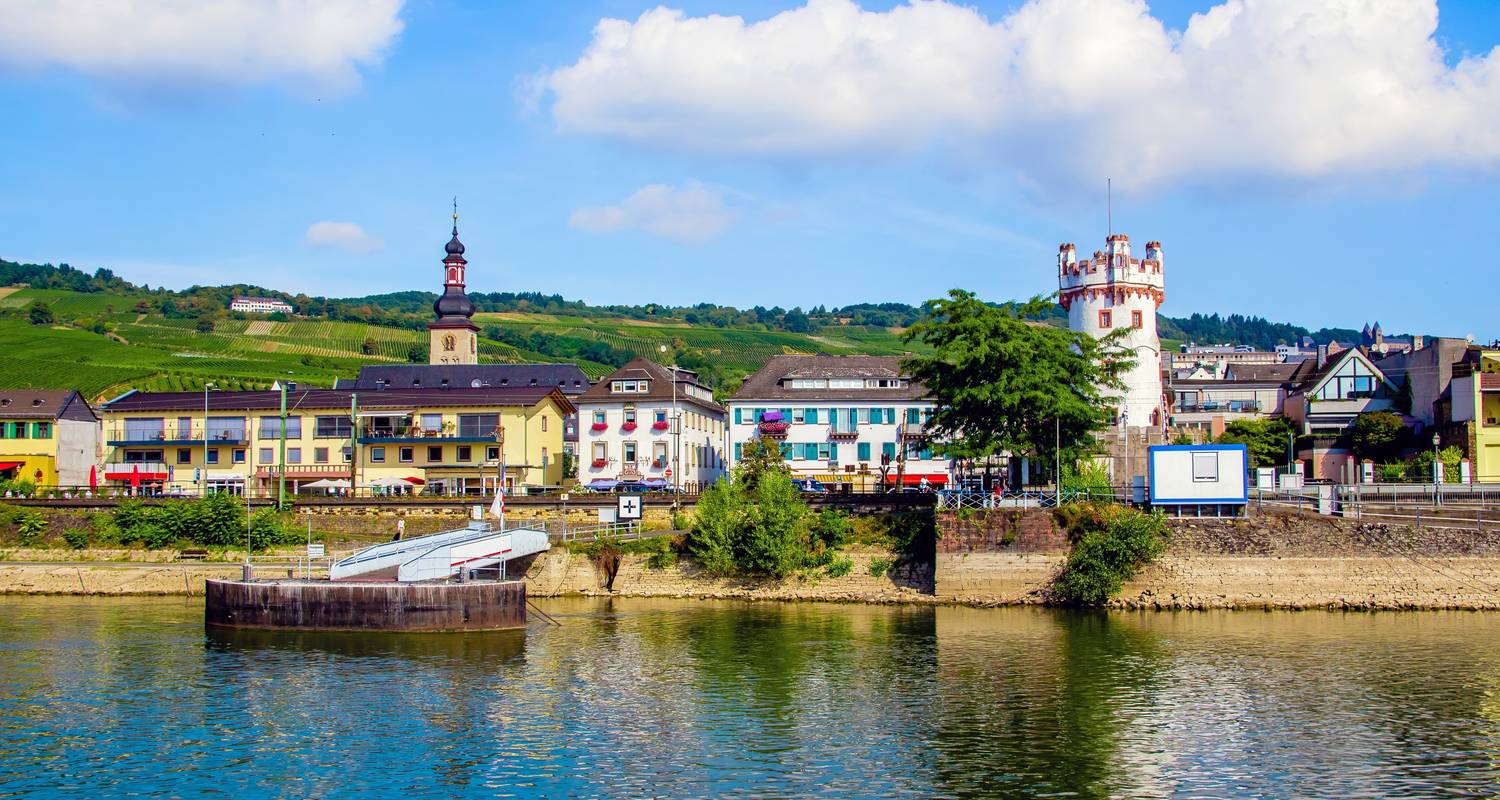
<point x="559" y="572"/>
<point x="1010" y="530"/>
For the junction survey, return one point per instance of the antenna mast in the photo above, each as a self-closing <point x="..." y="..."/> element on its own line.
<point x="1109" y="204"/>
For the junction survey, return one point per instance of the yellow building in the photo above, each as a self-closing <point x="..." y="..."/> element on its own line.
<point x="50" y="438"/>
<point x="436" y="440"/>
<point x="1476" y="403"/>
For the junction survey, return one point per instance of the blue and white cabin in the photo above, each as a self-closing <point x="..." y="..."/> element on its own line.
<point x="1204" y="480"/>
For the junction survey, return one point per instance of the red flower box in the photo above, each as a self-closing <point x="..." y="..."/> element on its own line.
<point x="628" y="427"/>
<point x="601" y="462"/>
<point x="599" y="426"/>
<point x="660" y="425"/>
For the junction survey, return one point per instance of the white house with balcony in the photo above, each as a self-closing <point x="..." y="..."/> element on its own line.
<point x="648" y="424"/>
<point x="259" y="305"/>
<point x="854" y="421"/>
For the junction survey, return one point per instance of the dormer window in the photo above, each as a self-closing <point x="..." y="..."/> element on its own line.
<point x="629" y="387"/>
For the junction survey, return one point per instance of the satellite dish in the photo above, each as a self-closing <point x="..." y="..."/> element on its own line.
<point x="476" y="383"/>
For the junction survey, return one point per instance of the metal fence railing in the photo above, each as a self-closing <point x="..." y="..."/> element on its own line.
<point x="1029" y="498"/>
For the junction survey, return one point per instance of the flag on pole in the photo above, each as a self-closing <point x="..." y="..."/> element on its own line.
<point x="497" y="508"/>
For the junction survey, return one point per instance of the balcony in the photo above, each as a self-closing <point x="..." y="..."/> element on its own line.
<point x="1220" y="407"/>
<point x="844" y="434"/>
<point x="177" y="435"/>
<point x="127" y="471"/>
<point x="378" y="433"/>
<point x="773" y="430"/>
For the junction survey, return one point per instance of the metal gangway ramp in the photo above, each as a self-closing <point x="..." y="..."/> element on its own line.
<point x="442" y="555"/>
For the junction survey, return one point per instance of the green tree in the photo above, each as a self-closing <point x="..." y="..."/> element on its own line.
<point x="39" y="313"/>
<point x="760" y="458"/>
<point x="1377" y="435"/>
<point x="1002" y="383"/>
<point x="776" y="541"/>
<point x="417" y="354"/>
<point x="1264" y="439"/>
<point x="367" y="347"/>
<point x="205" y="324"/>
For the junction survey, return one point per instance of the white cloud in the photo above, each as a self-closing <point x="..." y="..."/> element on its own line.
<point x="692" y="213"/>
<point x="343" y="235"/>
<point x="314" y="46"/>
<point x="1059" y="91"/>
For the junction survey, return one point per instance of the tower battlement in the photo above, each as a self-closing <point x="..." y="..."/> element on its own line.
<point x="1110" y="291"/>
<point x="1113" y="271"/>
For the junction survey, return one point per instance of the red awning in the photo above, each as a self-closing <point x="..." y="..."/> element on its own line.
<point x="4" y="465"/>
<point x="916" y="480"/>
<point x="125" y="475"/>
<point x="415" y="481"/>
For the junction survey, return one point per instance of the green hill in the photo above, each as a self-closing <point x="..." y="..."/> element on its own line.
<point x="99" y="344"/>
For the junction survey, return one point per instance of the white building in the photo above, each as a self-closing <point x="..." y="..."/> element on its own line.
<point x="626" y="430"/>
<point x="1112" y="291"/>
<point x="259" y="305"/>
<point x="855" y="420"/>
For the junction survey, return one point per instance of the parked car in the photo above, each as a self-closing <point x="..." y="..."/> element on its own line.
<point x="809" y="486"/>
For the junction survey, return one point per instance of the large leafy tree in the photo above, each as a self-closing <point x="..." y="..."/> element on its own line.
<point x="1002" y="383"/>
<point x="1264" y="439"/>
<point x="1377" y="435"/>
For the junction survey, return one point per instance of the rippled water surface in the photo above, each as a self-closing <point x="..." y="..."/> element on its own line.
<point x="637" y="698"/>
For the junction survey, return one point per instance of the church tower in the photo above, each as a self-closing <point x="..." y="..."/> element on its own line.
<point x="1112" y="291"/>
<point x="453" y="338"/>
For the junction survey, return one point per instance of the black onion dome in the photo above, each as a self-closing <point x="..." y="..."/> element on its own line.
<point x="455" y="247"/>
<point x="453" y="303"/>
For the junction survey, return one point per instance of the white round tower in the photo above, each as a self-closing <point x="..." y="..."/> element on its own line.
<point x="1111" y="291"/>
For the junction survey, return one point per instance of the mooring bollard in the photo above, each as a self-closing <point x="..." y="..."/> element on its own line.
<point x="249" y="572"/>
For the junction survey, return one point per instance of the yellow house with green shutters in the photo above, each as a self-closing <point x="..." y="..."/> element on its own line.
<point x="1475" y="394"/>
<point x="392" y="441"/>
<point x="48" y="438"/>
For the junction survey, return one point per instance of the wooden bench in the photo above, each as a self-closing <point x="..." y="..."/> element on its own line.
<point x="192" y="555"/>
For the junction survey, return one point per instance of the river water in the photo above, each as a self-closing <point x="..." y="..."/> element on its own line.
<point x="663" y="698"/>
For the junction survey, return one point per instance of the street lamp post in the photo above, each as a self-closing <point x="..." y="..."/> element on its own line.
<point x="203" y="476"/>
<point x="1436" y="461"/>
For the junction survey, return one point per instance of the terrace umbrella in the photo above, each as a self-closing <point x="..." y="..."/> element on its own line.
<point x="135" y="477"/>
<point x="94" y="477"/>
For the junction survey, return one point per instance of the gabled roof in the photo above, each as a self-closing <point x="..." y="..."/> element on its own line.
<point x="660" y="385"/>
<point x="567" y="378"/>
<point x="767" y="382"/>
<point x="1311" y="379"/>
<point x="1262" y="373"/>
<point x="44" y="404"/>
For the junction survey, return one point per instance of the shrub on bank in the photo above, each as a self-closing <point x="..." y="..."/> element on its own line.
<point x="1110" y="546"/>
<point x="76" y="538"/>
<point x="217" y="520"/>
<point x="30" y="527"/>
<point x="763" y="528"/>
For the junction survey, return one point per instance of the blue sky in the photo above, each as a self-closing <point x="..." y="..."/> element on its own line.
<point x="1324" y="162"/>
